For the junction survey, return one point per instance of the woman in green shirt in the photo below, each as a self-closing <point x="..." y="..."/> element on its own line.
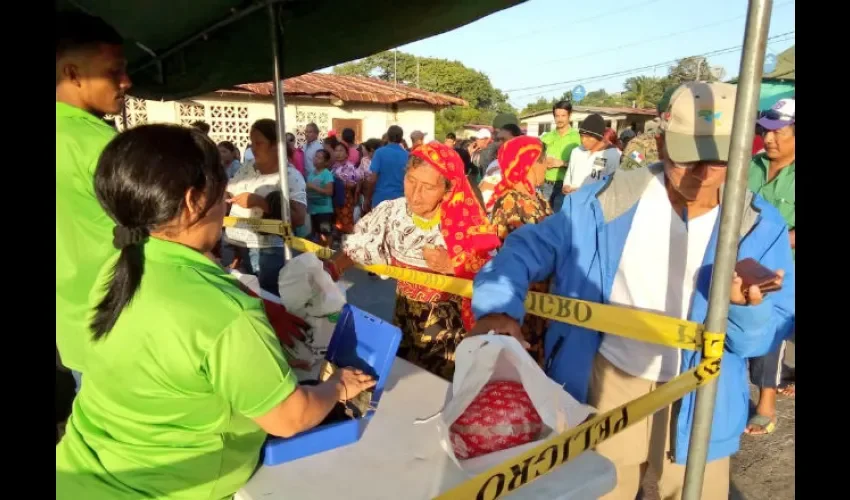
<point x="184" y="375"/>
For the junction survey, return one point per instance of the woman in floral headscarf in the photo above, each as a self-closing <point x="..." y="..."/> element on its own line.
<point x="516" y="202"/>
<point x="438" y="227"/>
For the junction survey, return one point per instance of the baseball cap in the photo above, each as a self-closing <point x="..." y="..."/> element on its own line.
<point x="503" y="119"/>
<point x="483" y="134"/>
<point x="780" y="115"/>
<point x="697" y="123"/>
<point x="417" y="134"/>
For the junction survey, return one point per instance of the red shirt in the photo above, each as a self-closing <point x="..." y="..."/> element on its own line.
<point x="758" y="144"/>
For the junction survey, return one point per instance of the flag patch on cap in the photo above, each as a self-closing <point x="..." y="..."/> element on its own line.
<point x="637" y="156"/>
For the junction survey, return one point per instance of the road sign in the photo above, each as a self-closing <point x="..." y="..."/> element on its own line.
<point x="578" y="93"/>
<point x="769" y="62"/>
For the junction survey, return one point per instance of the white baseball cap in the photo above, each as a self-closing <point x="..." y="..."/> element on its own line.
<point x="780" y="115"/>
<point x="483" y="134"/>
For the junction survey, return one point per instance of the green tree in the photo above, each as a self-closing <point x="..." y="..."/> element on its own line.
<point x="694" y="68"/>
<point x="644" y="91"/>
<point x="437" y="75"/>
<point x="434" y="75"/>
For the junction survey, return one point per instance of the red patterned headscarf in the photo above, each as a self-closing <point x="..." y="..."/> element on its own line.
<point x="470" y="238"/>
<point x="516" y="157"/>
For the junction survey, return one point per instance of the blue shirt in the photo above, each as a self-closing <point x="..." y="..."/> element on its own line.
<point x="388" y="164"/>
<point x="320" y="203"/>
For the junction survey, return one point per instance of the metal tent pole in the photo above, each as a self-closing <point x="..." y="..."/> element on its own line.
<point x="279" y="107"/>
<point x="743" y="128"/>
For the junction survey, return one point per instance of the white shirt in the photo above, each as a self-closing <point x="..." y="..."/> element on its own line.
<point x="657" y="272"/>
<point x="310" y="153"/>
<point x="493" y="175"/>
<point x="586" y="167"/>
<point x="249" y="180"/>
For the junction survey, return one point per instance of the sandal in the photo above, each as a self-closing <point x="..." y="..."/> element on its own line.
<point x="760" y="422"/>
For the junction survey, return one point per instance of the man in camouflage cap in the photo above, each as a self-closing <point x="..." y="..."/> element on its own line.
<point x="643" y="149"/>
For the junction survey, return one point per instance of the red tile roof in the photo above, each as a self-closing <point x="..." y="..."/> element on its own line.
<point x="349" y="88"/>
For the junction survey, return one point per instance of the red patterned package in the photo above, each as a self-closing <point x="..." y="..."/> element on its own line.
<point x="502" y="416"/>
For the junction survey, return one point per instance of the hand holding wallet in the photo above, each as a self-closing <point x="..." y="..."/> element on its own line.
<point x="753" y="273"/>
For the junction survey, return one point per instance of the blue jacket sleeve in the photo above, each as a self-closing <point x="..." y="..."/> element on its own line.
<point x="528" y="255"/>
<point x="754" y="331"/>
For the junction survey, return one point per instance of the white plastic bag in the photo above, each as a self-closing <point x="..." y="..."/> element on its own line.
<point x="485" y="358"/>
<point x="307" y="291"/>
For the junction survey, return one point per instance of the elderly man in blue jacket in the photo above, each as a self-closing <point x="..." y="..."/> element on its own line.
<point x="646" y="239"/>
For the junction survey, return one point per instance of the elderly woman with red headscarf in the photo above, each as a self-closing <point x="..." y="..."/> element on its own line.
<point x="437" y="227"/>
<point x="516" y="202"/>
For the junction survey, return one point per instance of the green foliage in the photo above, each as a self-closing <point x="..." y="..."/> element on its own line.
<point x="437" y="75"/>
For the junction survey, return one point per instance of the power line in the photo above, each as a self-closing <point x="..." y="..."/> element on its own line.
<point x="661" y="37"/>
<point x="538" y="31"/>
<point x="555" y="85"/>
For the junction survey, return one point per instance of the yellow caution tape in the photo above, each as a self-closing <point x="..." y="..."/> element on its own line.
<point x="526" y="467"/>
<point x="521" y="470"/>
<point x="269" y="226"/>
<point x="631" y="323"/>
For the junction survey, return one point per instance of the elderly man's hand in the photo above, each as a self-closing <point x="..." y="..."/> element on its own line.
<point x="753" y="297"/>
<point x="499" y="323"/>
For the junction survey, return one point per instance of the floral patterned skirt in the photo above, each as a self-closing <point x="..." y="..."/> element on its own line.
<point x="344" y="215"/>
<point x="430" y="333"/>
<point x="534" y="328"/>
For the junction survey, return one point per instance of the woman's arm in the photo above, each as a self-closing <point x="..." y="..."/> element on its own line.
<point x="307" y="406"/>
<point x="297" y="210"/>
<point x="327" y="189"/>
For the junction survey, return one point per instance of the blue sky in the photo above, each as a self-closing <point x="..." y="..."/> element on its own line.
<point x="547" y="41"/>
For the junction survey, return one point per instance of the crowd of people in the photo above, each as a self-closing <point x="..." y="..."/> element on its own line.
<point x="181" y="375"/>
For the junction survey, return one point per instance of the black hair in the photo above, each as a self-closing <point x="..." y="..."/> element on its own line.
<point x="78" y="31"/>
<point x="202" y="126"/>
<point x="452" y="136"/>
<point x="288" y="135"/>
<point x="141" y="181"/>
<point x="332" y="141"/>
<point x="348" y="135"/>
<point x="513" y="129"/>
<point x="228" y="146"/>
<point x="75" y="30"/>
<point x="566" y="105"/>
<point x="372" y="144"/>
<point x="395" y="134"/>
<point x="311" y="124"/>
<point x="267" y="127"/>
<point x="324" y="152"/>
<point x="340" y="143"/>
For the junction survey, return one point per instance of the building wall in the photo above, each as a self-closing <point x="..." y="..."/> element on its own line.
<point x="232" y="116"/>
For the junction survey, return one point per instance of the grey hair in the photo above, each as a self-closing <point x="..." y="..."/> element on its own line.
<point x="415" y="162"/>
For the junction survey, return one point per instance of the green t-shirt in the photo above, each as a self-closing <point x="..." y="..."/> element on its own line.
<point x="169" y="393"/>
<point x="83" y="230"/>
<point x="779" y="192"/>
<point x="560" y="146"/>
<point x="320" y="203"/>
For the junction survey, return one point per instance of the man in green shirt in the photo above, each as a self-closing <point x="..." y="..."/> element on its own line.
<point x="772" y="176"/>
<point x="559" y="144"/>
<point x="91" y="81"/>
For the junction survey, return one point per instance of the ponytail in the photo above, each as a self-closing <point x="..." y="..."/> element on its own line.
<point x="143" y="180"/>
<point x="125" y="280"/>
